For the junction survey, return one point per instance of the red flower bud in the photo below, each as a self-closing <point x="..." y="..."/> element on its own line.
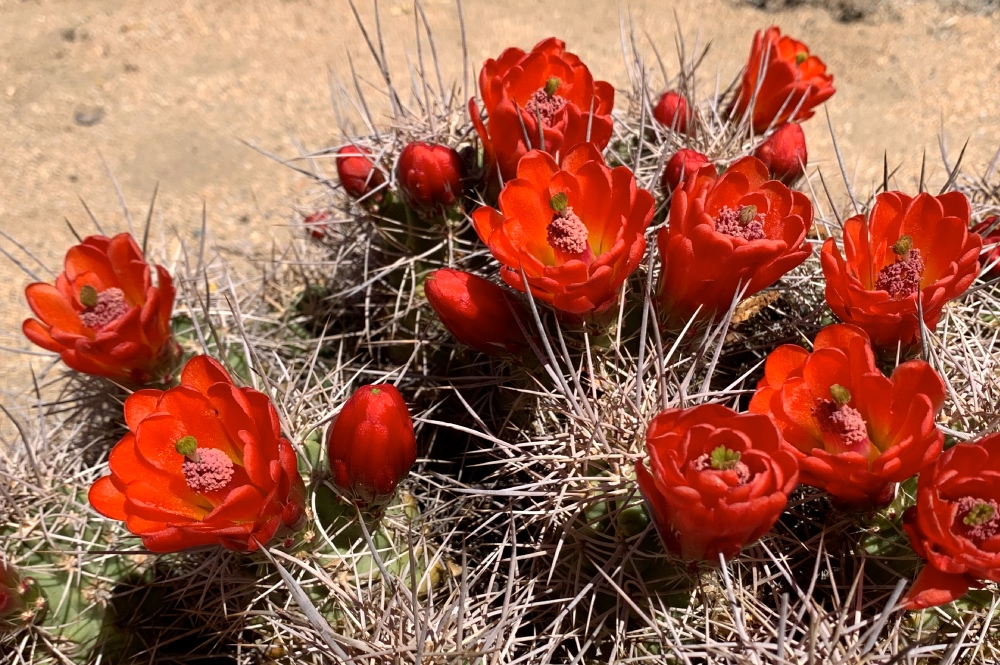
<point x="672" y="111"/>
<point x="371" y="445"/>
<point x="784" y="153"/>
<point x="429" y="175"/>
<point x="357" y="171"/>
<point x="478" y="313"/>
<point x="683" y="164"/>
<point x="316" y="224"/>
<point x="989" y="229"/>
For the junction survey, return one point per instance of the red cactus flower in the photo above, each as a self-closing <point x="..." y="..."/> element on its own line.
<point x="683" y="165"/>
<point x="545" y="100"/>
<point x="104" y="316"/>
<point x="730" y="233"/>
<point x="359" y="176"/>
<point x="575" y="230"/>
<point x="955" y="525"/>
<point x="854" y="431"/>
<point x="784" y="153"/>
<point x="782" y="81"/>
<point x="673" y="112"/>
<point x="429" y="175"/>
<point x="904" y="248"/>
<point x="989" y="231"/>
<point x="478" y="313"/>
<point x="717" y="480"/>
<point x="203" y="463"/>
<point x="371" y="445"/>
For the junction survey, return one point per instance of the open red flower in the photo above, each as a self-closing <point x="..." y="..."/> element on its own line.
<point x="545" y="99"/>
<point x="736" y="232"/>
<point x="371" y="445"/>
<point x="717" y="480"/>
<point x="478" y="313"/>
<point x="854" y="431"/>
<point x="104" y="316"/>
<point x="782" y="81"/>
<point x="904" y="248"/>
<point x="576" y="230"/>
<point x="955" y="525"/>
<point x="989" y="231"/>
<point x="203" y="463"/>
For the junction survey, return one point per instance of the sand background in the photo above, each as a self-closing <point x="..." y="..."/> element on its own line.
<point x="163" y="92"/>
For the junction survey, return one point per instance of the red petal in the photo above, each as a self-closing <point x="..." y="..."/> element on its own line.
<point x="202" y="371"/>
<point x="107" y="499"/>
<point x="933" y="588"/>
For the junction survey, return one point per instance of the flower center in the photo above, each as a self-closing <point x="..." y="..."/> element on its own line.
<point x="567" y="233"/>
<point x="545" y="103"/>
<point x="843" y="427"/>
<point x="205" y="469"/>
<point x="723" y="459"/>
<point x="744" y="223"/>
<point x="978" y="519"/>
<point x="902" y="277"/>
<point x="102" y="308"/>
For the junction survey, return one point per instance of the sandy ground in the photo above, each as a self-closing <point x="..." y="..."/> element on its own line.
<point x="164" y="91"/>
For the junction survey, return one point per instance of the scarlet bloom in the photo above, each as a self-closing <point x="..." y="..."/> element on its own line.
<point x="576" y="230"/>
<point x="104" y="316"/>
<point x="726" y="234"/>
<point x="905" y="248"/>
<point x="371" y="445"/>
<point x="203" y="463"/>
<point x="955" y="525"/>
<point x="683" y="165"/>
<point x="478" y="313"/>
<point x="782" y="81"/>
<point x="429" y="175"/>
<point x="854" y="431"/>
<point x="359" y="176"/>
<point x="673" y="112"/>
<point x="548" y="87"/>
<point x="989" y="231"/>
<point x="717" y="480"/>
<point x="784" y="153"/>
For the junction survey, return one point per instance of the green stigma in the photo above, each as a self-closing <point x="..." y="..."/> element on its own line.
<point x="902" y="246"/>
<point x="559" y="202"/>
<point x="186" y="445"/>
<point x="724" y="459"/>
<point x="840" y="394"/>
<point x="376" y="391"/>
<point x="801" y="57"/>
<point x="552" y="85"/>
<point x="980" y="514"/>
<point x="88" y="296"/>
<point x="747" y="214"/>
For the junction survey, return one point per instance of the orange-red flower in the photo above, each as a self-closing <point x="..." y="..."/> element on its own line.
<point x="854" y="431"/>
<point x="784" y="153"/>
<point x="479" y="313"/>
<point x="683" y="165"/>
<point x="356" y="169"/>
<point x="730" y="233"/>
<point x="371" y="445"/>
<point x="989" y="231"/>
<point x="717" y="480"/>
<point x="673" y="112"/>
<point x="955" y="525"/>
<point x="904" y="248"/>
<point x="545" y="99"/>
<point x="203" y="463"/>
<point x="104" y="316"/>
<point x="782" y="81"/>
<point x="576" y="230"/>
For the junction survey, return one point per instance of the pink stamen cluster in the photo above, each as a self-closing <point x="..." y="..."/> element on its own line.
<point x="728" y="222"/>
<point x="567" y="233"/>
<point x="901" y="278"/>
<point x="110" y="306"/>
<point x="213" y="470"/>
<point x="841" y="421"/>
<point x="704" y="463"/>
<point x="983" y="529"/>
<point x="545" y="106"/>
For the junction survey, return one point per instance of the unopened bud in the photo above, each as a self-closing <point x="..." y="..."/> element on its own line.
<point x="840" y="394"/>
<point x="88" y="296"/>
<point x="747" y="214"/>
<point x="559" y="202"/>
<point x="902" y="246"/>
<point x="552" y="85"/>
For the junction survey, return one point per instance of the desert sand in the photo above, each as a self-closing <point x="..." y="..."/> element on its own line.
<point x="164" y="93"/>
